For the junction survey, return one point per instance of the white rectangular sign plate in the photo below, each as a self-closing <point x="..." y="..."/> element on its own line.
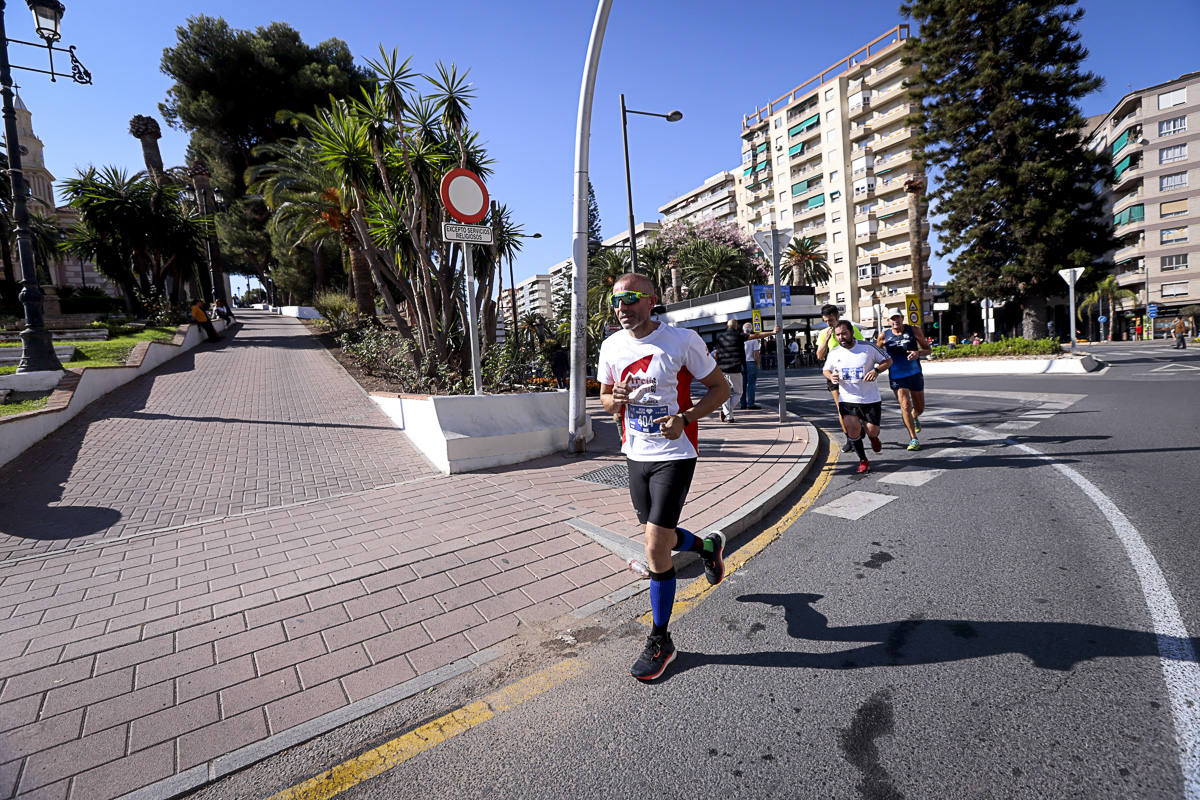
<point x="475" y="234"/>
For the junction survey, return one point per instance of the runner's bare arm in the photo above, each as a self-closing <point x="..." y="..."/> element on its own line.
<point x="879" y="368"/>
<point x="924" y="348"/>
<point x="762" y="334"/>
<point x="718" y="393"/>
<point x="823" y="344"/>
<point x="613" y="396"/>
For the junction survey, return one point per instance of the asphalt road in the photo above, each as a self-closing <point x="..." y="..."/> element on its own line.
<point x="964" y="622"/>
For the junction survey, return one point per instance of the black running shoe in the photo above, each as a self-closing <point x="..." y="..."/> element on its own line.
<point x="659" y="652"/>
<point x="714" y="565"/>
<point x="847" y="446"/>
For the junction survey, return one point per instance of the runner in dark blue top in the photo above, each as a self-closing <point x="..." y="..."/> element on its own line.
<point x="905" y="345"/>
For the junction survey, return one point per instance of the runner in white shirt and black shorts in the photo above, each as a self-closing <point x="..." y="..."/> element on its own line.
<point x="853" y="368"/>
<point x="646" y="372"/>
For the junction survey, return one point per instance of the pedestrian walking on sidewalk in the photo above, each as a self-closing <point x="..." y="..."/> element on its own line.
<point x="1180" y="329"/>
<point x="905" y="344"/>
<point x="731" y="357"/>
<point x="854" y="368"/>
<point x="826" y="343"/>
<point x="201" y="317"/>
<point x="753" y="355"/>
<point x="646" y="371"/>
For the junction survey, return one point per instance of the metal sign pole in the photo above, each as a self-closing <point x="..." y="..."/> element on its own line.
<point x="780" y="377"/>
<point x="472" y="318"/>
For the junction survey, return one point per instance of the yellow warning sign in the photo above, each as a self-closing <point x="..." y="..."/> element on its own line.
<point x="912" y="309"/>
<point x="756" y="318"/>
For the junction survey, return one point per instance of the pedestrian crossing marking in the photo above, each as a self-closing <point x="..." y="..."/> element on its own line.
<point x="855" y="505"/>
<point x="1176" y="367"/>
<point x="911" y="476"/>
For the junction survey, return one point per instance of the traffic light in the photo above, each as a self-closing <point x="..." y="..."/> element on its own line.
<point x="935" y="326"/>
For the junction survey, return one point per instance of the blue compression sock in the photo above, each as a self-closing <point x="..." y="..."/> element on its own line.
<point x="662" y="599"/>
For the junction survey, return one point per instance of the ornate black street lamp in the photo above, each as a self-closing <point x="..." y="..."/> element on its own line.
<point x="37" y="350"/>
<point x="673" y="116"/>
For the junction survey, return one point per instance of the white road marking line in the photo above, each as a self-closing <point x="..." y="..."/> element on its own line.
<point x="911" y="476"/>
<point x="1017" y="425"/>
<point x="855" y="505"/>
<point x="1177" y="657"/>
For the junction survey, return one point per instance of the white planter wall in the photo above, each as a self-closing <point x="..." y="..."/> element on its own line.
<point x="465" y="433"/>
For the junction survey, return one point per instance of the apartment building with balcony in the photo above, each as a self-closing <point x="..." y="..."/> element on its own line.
<point x="1153" y="138"/>
<point x="715" y="199"/>
<point x="532" y="296"/>
<point x="831" y="160"/>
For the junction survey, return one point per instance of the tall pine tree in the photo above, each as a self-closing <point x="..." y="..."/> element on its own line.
<point x="999" y="86"/>
<point x="593" y="215"/>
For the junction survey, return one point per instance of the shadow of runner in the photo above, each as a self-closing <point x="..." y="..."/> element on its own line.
<point x="917" y="640"/>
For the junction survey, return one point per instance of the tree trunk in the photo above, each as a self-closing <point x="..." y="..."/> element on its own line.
<point x="364" y="292"/>
<point x="153" y="159"/>
<point x="1033" y="317"/>
<point x="10" y="278"/>
<point x="318" y="269"/>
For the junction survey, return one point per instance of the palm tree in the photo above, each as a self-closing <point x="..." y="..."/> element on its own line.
<point x="709" y="268"/>
<point x="806" y="258"/>
<point x="146" y="130"/>
<point x="1107" y="289"/>
<point x="653" y="261"/>
<point x="310" y="208"/>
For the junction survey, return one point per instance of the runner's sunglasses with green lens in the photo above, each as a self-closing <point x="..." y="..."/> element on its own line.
<point x="628" y="297"/>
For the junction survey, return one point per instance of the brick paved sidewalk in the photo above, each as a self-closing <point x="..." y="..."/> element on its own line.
<point x="238" y="550"/>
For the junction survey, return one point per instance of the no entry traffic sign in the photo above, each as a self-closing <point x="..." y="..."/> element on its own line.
<point x="464" y="196"/>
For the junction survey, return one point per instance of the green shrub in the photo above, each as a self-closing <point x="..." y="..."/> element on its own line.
<point x="88" y="300"/>
<point x="1005" y="347"/>
<point x="338" y="311"/>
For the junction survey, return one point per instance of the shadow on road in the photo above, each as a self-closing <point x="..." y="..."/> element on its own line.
<point x="917" y="640"/>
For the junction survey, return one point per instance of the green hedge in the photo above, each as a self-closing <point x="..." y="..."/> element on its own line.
<point x="1004" y="347"/>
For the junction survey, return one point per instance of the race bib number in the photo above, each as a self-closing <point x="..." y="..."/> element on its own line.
<point x="852" y="373"/>
<point x="641" y="419"/>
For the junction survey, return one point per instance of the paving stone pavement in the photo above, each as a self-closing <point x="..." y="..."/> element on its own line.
<point x="240" y="543"/>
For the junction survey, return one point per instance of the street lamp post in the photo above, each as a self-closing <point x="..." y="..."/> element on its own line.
<point x="37" y="349"/>
<point x="673" y="116"/>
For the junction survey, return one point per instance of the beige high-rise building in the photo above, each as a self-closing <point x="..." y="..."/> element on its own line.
<point x="831" y="160"/>
<point x="715" y="199"/>
<point x="1153" y="136"/>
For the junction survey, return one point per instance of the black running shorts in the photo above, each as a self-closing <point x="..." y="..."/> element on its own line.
<point x="867" y="412"/>
<point x="914" y="382"/>
<point x="659" y="488"/>
<point x="830" y="385"/>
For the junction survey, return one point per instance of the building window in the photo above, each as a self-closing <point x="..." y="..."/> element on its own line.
<point x="834" y="195"/>
<point x="836" y="218"/>
<point x="1171" y="263"/>
<point x="838" y="259"/>
<point x="1170" y="126"/>
<point x="1176" y="97"/>
<point x="1168" y="155"/>
<point x="1173" y="235"/>
<point x="833" y="176"/>
<point x="837" y="236"/>
<point x="1177" y="180"/>
<point x="829" y="94"/>
<point x="840" y="297"/>
<point x="1174" y="289"/>
<point x="1173" y="208"/>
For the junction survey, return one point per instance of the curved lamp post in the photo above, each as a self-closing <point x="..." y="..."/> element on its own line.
<point x="37" y="349"/>
<point x="672" y="116"/>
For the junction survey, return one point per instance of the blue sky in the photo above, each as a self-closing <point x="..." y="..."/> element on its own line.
<point x="714" y="61"/>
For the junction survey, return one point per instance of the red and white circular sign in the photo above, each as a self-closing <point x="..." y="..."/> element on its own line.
<point x="464" y="196"/>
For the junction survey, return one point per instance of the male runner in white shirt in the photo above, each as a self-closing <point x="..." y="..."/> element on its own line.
<point x="853" y="368"/>
<point x="646" y="371"/>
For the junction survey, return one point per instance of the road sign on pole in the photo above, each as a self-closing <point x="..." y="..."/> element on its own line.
<point x="912" y="309"/>
<point x="1071" y="275"/>
<point x="466" y="199"/>
<point x="464" y="196"/>
<point x="1152" y="312"/>
<point x="756" y="320"/>
<point x="773" y="242"/>
<point x="475" y="234"/>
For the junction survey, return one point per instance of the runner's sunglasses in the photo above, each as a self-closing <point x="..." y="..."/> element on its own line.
<point x="628" y="297"/>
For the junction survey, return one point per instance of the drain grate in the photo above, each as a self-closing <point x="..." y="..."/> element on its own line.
<point x="615" y="475"/>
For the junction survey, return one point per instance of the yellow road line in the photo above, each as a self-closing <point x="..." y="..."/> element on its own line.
<point x="689" y="596"/>
<point x="373" y="763"/>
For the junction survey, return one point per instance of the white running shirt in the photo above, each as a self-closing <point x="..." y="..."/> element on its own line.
<point x="665" y="362"/>
<point x="851" y="364"/>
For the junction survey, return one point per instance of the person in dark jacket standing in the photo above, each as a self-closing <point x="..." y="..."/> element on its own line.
<point x="731" y="355"/>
